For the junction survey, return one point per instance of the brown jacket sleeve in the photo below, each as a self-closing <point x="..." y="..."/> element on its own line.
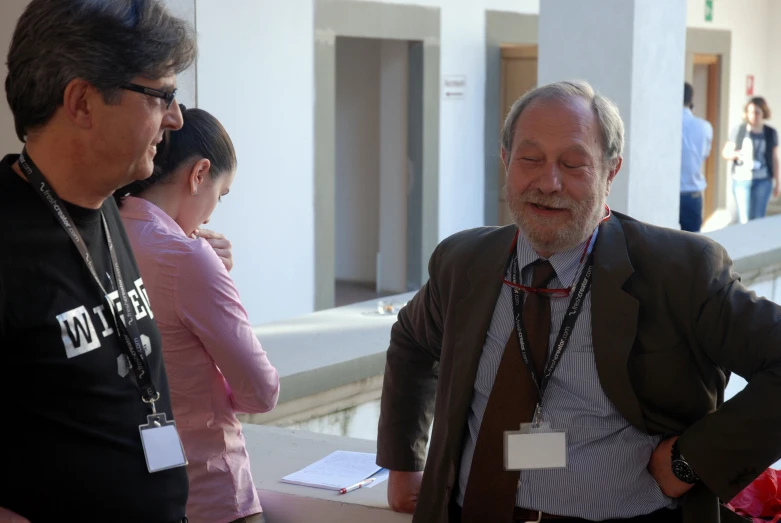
<point x="740" y="333"/>
<point x="410" y="382"/>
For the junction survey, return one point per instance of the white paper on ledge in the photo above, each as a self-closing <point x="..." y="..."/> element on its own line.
<point x="379" y="477"/>
<point x="336" y="471"/>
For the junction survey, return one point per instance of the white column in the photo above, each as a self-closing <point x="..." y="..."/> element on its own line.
<point x="185" y="81"/>
<point x="256" y="75"/>
<point x="633" y="52"/>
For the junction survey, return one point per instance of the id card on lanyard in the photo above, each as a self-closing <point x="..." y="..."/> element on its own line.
<point x="162" y="446"/>
<point x="536" y="445"/>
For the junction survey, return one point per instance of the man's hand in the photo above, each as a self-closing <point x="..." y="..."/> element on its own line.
<point x="403" y="490"/>
<point x="661" y="469"/>
<point x="776" y="188"/>
<point x="219" y="243"/>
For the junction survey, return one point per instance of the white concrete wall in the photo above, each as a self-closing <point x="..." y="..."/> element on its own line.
<point x="10" y="11"/>
<point x="461" y="143"/>
<point x="255" y="74"/>
<point x="357" y="158"/>
<point x="772" y="71"/>
<point x="752" y="25"/>
<point x="633" y="52"/>
<point x="257" y="77"/>
<point x="186" y="81"/>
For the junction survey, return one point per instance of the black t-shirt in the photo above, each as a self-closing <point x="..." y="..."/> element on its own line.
<point x="70" y="440"/>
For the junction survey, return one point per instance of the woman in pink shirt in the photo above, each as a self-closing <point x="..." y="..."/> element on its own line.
<point x="216" y="366"/>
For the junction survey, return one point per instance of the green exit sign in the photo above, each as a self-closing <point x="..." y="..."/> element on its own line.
<point x="709" y="10"/>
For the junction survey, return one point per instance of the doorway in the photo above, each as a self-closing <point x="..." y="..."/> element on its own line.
<point x="415" y="29"/>
<point x="372" y="168"/>
<point x="510" y="70"/>
<point x="519" y="75"/>
<point x="706" y="81"/>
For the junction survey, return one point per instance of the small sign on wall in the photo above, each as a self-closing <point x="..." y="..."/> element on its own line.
<point x="750" y="85"/>
<point x="709" y="10"/>
<point x="453" y="87"/>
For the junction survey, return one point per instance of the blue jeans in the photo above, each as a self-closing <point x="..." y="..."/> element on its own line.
<point x="752" y="197"/>
<point x="691" y="211"/>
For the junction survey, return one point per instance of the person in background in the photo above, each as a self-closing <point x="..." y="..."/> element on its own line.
<point x="216" y="365"/>
<point x="753" y="149"/>
<point x="91" y="87"/>
<point x="696" y="140"/>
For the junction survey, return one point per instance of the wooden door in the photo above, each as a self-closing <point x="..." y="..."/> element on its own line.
<point x="519" y="75"/>
<point x="711" y="63"/>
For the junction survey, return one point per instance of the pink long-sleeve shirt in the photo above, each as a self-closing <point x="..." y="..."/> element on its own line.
<point x="215" y="364"/>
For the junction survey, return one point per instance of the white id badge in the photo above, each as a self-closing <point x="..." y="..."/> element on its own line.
<point x="535" y="448"/>
<point x="162" y="446"/>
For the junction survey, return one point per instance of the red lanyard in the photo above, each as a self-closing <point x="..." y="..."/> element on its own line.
<point x="552" y="293"/>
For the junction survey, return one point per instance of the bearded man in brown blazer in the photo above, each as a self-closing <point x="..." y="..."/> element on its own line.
<point x="657" y="322"/>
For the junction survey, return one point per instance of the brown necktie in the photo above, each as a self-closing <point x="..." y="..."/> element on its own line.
<point x="491" y="490"/>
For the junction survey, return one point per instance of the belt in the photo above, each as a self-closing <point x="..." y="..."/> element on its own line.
<point x="524" y="515"/>
<point x="693" y="194"/>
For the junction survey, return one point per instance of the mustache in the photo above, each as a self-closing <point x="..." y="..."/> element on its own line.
<point x="556" y="202"/>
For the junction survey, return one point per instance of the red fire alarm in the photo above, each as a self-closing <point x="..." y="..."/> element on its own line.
<point x="750" y="85"/>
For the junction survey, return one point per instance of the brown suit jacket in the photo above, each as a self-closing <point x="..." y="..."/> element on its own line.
<point x="670" y="321"/>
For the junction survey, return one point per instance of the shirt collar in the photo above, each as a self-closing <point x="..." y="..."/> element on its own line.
<point x="566" y="263"/>
<point x="140" y="209"/>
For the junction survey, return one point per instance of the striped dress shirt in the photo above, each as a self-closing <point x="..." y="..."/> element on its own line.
<point x="606" y="475"/>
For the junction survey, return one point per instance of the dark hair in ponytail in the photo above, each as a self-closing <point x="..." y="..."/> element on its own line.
<point x="201" y="136"/>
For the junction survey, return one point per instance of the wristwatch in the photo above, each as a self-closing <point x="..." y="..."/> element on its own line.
<point x="681" y="468"/>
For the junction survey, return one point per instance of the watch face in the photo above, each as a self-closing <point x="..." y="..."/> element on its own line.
<point x="683" y="471"/>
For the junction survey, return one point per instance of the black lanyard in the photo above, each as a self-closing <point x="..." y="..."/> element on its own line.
<point x="127" y="328"/>
<point x="567" y="325"/>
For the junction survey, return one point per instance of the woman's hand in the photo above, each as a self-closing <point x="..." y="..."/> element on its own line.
<point x="221" y="245"/>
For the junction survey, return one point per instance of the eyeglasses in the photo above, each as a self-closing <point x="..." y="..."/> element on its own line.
<point x="157" y="93"/>
<point x="550" y="293"/>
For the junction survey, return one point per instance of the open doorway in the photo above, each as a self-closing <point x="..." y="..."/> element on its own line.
<point x="519" y="75"/>
<point x="706" y="80"/>
<point x="372" y="182"/>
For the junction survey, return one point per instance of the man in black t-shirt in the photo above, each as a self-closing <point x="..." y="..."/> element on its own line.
<point x="91" y="86"/>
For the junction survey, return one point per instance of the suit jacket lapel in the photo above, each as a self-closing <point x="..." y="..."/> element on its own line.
<point x="614" y="320"/>
<point x="472" y="316"/>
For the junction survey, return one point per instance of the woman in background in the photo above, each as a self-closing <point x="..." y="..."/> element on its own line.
<point x="216" y="366"/>
<point x="753" y="148"/>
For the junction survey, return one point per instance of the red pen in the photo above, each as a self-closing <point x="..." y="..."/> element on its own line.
<point x="356" y="486"/>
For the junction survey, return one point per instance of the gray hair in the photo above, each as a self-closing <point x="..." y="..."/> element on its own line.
<point x="106" y="43"/>
<point x="609" y="119"/>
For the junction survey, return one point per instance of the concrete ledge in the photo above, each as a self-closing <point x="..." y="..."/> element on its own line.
<point x="324" y="350"/>
<point x="334" y="359"/>
<point x="333" y="400"/>
<point x="275" y="453"/>
<point x="753" y="246"/>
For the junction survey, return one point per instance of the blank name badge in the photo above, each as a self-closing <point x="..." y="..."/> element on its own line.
<point x="162" y="446"/>
<point x="535" y="448"/>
